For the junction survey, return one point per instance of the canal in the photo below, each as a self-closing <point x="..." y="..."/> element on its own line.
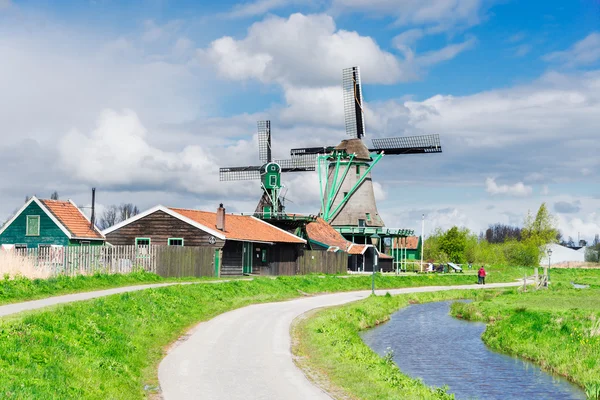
<point x="441" y="350"/>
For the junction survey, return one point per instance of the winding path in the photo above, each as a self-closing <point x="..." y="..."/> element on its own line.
<point x="245" y="353"/>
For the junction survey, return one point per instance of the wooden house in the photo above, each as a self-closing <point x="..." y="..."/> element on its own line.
<point x="323" y="236"/>
<point x="46" y="223"/>
<point x="406" y="248"/>
<point x="242" y="244"/>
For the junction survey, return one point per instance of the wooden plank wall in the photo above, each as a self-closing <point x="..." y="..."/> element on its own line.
<point x="318" y="261"/>
<point x="176" y="261"/>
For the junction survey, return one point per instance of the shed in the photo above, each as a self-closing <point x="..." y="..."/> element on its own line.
<point x="44" y="223"/>
<point x="242" y="244"/>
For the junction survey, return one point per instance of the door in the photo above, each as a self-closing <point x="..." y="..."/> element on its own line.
<point x="247" y="258"/>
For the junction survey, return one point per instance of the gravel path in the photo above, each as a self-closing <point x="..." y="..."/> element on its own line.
<point x="245" y="353"/>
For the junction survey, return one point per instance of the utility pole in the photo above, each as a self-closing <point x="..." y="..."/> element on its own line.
<point x="422" y="239"/>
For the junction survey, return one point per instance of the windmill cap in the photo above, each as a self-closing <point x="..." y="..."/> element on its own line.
<point x="356" y="147"/>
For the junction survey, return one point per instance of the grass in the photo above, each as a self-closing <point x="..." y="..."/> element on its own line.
<point x="558" y="329"/>
<point x="21" y="288"/>
<point x="109" y="348"/>
<point x="328" y="346"/>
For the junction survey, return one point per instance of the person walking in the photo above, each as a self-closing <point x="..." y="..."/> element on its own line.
<point x="481" y="274"/>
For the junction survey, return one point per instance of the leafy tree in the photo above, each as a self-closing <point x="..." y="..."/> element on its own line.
<point x="454" y="243"/>
<point x="540" y="230"/>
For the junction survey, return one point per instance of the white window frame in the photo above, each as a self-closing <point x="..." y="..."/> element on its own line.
<point x="27" y="225"/>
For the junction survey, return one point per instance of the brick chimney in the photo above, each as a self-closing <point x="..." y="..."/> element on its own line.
<point x="221" y="218"/>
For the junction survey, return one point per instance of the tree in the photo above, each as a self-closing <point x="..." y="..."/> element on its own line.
<point x="127" y="211"/>
<point x="454" y="243"/>
<point x="596" y="240"/>
<point x="114" y="214"/>
<point x="54" y="195"/>
<point x="570" y="242"/>
<point x="540" y="230"/>
<point x="109" y="217"/>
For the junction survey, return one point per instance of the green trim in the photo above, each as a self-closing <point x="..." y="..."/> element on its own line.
<point x="217" y="261"/>
<point x="27" y="230"/>
<point x="169" y="242"/>
<point x="319" y="243"/>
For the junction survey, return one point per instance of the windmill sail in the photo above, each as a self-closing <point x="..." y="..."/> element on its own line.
<point x="408" y="145"/>
<point x="264" y="141"/>
<point x="353" y="103"/>
<point x="239" y="173"/>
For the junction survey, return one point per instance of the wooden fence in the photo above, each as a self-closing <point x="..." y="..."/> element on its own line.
<point x="176" y="261"/>
<point x="316" y="261"/>
<point x="166" y="261"/>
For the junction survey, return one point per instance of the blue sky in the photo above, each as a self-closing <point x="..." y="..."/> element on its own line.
<point x="146" y="99"/>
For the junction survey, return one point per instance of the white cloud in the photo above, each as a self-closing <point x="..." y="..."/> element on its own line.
<point x="518" y="189"/>
<point x="302" y="50"/>
<point x="583" y="53"/>
<point x="438" y="14"/>
<point x="522" y="50"/>
<point x="446" y="53"/>
<point x="259" y="7"/>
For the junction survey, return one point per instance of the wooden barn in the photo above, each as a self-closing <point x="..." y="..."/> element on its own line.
<point x="49" y="223"/>
<point x="242" y="244"/>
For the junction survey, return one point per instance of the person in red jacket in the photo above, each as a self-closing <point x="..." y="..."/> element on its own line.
<point x="481" y="275"/>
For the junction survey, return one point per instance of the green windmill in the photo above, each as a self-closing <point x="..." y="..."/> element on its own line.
<point x="269" y="173"/>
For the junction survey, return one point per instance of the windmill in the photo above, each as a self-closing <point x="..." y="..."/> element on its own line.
<point x="346" y="187"/>
<point x="269" y="173"/>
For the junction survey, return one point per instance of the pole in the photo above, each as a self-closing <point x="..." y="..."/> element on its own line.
<point x="422" y="239"/>
<point x="548" y="273"/>
<point x="373" y="274"/>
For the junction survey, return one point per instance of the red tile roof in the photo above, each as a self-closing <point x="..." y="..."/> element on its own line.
<point x="320" y="231"/>
<point x="241" y="227"/>
<point x="410" y="243"/>
<point x="72" y="219"/>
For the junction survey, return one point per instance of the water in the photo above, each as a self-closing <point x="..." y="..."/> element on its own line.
<point x="430" y="344"/>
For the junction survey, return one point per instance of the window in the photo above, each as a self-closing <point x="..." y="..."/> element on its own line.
<point x="345" y="194"/>
<point x="368" y="217"/>
<point x="264" y="255"/>
<point x="361" y="223"/>
<point x="21" y="248"/>
<point x="142" y="241"/>
<point x="44" y="246"/>
<point x="175" y="242"/>
<point x="33" y="225"/>
<point x="142" y="245"/>
<point x="358" y="170"/>
<point x="84" y="243"/>
<point x="273" y="180"/>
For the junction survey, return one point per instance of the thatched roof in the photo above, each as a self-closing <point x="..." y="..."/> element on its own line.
<point x="355" y="146"/>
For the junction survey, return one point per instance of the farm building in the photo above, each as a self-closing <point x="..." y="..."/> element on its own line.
<point x="47" y="223"/>
<point x="241" y="244"/>
<point x="323" y="236"/>
<point x="406" y="248"/>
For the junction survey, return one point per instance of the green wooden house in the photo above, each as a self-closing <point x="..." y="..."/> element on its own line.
<point x="45" y="223"/>
<point x="406" y="248"/>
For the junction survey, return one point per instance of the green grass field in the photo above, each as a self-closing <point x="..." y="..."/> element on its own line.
<point x="558" y="329"/>
<point x="109" y="348"/>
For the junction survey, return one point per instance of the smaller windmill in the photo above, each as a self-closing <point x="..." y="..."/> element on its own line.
<point x="269" y="173"/>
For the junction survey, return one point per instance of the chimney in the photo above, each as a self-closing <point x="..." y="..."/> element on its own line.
<point x="221" y="218"/>
<point x="93" y="216"/>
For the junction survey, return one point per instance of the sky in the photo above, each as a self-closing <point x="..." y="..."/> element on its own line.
<point x="146" y="99"/>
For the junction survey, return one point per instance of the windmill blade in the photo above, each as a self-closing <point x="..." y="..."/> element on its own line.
<point x="353" y="103"/>
<point x="239" y="173"/>
<point x="310" y="151"/>
<point x="301" y="164"/>
<point x="408" y="145"/>
<point x="264" y="141"/>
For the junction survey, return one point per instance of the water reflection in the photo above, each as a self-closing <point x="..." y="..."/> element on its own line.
<point x="429" y="344"/>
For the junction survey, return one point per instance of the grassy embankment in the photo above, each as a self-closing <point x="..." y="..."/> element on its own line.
<point x="557" y="328"/>
<point x="22" y="289"/>
<point x="109" y="348"/>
